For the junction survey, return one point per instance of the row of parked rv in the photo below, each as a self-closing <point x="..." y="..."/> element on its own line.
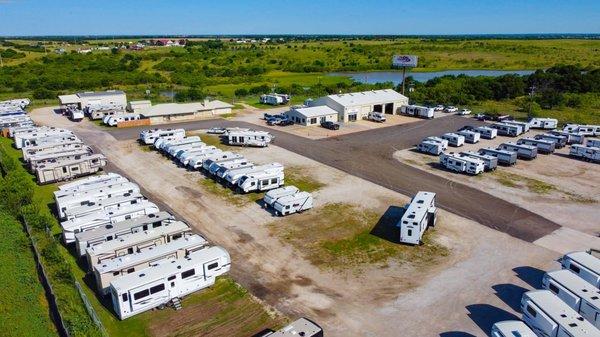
<point x="139" y="256"/>
<point x="568" y="305"/>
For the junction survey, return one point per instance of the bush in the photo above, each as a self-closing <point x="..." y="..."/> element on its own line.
<point x="241" y="92"/>
<point x="43" y="93"/>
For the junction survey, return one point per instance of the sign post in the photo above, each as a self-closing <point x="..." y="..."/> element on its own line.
<point x="404" y="61"/>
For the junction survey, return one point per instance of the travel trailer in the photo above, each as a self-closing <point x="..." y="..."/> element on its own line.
<point x="471" y="137"/>
<point x="28" y="152"/>
<point x="300" y="327"/>
<point x="232" y="177"/>
<point x="84" y="183"/>
<point x="149" y="136"/>
<point x="417" y="111"/>
<point x="164" y="145"/>
<point x="70" y="169"/>
<point x="184" y="158"/>
<point x="249" y="138"/>
<point x="584" y="265"/>
<point x="576" y="293"/>
<point x="25" y="139"/>
<point x="593" y="142"/>
<point x="232" y="168"/>
<point x="272" y="195"/>
<point x="56" y="157"/>
<point x="75" y="115"/>
<point x="195" y="160"/>
<point x="77" y="198"/>
<point x="510" y="130"/>
<point x="109" y="232"/>
<point x="586" y="130"/>
<point x="168" y="281"/>
<point x="295" y="203"/>
<point x="95" y="220"/>
<point x="543" y="123"/>
<point x="572" y="138"/>
<point x="116" y="119"/>
<point x="226" y="164"/>
<point x="511" y="329"/>
<point x="172" y="151"/>
<point x="222" y="168"/>
<point x="504" y="157"/>
<point x="442" y="141"/>
<point x="490" y="163"/>
<point x="559" y="141"/>
<point x="207" y="163"/>
<point x="586" y="153"/>
<point x="136" y="242"/>
<point x="523" y="151"/>
<point x="524" y="125"/>
<point x="454" y="139"/>
<point x="430" y="147"/>
<point x="112" y="269"/>
<point x="418" y="216"/>
<point x="263" y="180"/>
<point x="55" y="139"/>
<point x="103" y="205"/>
<point x="548" y="316"/>
<point x="543" y="146"/>
<point x="461" y="164"/>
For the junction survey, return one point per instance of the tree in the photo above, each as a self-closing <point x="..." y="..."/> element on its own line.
<point x="241" y="92"/>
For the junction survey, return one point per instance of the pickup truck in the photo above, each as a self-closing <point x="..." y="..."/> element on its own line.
<point x="377" y="116"/>
<point x="330" y="125"/>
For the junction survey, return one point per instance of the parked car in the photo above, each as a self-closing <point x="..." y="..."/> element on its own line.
<point x="451" y="108"/>
<point x="504" y="118"/>
<point x="217" y="131"/>
<point x="285" y="122"/>
<point x="438" y="107"/>
<point x="467" y="128"/>
<point x="484" y="117"/>
<point x="464" y="112"/>
<point x="273" y="121"/>
<point x="330" y="125"/>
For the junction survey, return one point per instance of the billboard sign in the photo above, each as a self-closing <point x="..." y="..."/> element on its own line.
<point x="404" y="60"/>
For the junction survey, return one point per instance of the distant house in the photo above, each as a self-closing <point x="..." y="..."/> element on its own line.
<point x="165" y="43"/>
<point x="84" y="51"/>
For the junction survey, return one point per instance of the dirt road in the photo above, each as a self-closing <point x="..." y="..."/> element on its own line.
<point x="369" y="155"/>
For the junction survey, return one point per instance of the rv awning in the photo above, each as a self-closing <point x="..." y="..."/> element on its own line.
<point x="68" y="99"/>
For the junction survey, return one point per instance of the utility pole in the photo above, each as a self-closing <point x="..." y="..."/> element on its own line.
<point x="531" y="93"/>
<point x="1" y="63"/>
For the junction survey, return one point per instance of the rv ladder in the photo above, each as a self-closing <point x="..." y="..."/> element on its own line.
<point x="176" y="303"/>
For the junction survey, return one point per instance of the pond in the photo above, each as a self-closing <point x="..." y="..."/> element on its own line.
<point x="396" y="76"/>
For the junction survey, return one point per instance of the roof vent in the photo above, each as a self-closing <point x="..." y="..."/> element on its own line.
<point x="142" y="274"/>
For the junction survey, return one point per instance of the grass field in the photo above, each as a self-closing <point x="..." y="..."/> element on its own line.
<point x="341" y="236"/>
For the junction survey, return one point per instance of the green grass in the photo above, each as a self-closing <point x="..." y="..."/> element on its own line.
<point x="517" y="181"/>
<point x="297" y="176"/>
<point x="341" y="236"/>
<point x="225" y="193"/>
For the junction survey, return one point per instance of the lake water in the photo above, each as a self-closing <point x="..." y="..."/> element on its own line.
<point x="396" y="76"/>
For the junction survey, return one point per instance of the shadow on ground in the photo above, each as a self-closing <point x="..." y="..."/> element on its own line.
<point x="530" y="275"/>
<point x="456" y="334"/>
<point x="510" y="294"/>
<point x="386" y="226"/>
<point x="485" y="315"/>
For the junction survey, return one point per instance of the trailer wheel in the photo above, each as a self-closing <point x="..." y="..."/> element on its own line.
<point x="161" y="307"/>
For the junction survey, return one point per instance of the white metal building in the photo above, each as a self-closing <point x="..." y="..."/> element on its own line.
<point x="312" y="115"/>
<point x="137" y="106"/>
<point x="94" y="98"/>
<point x="357" y="105"/>
<point x="184" y="111"/>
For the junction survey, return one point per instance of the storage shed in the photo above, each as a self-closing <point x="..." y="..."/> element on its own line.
<point x="357" y="105"/>
<point x="312" y="115"/>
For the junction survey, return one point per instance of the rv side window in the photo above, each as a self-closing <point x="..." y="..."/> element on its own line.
<point x="213" y="265"/>
<point x="531" y="311"/>
<point x="188" y="273"/>
<point x="141" y="294"/>
<point x="124" y="296"/>
<point x="177" y="236"/>
<point x="64" y="170"/>
<point x="274" y="181"/>
<point x="156" y="224"/>
<point x="171" y="278"/>
<point x="116" y="273"/>
<point x="574" y="268"/>
<point x="157" y="288"/>
<point x="410" y="232"/>
<point x="553" y="288"/>
<point x="130" y="270"/>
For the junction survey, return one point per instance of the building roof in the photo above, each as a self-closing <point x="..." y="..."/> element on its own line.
<point x="140" y="102"/>
<point x="100" y="93"/>
<point x="367" y="97"/>
<point x="182" y="108"/>
<point x="316" y="111"/>
<point x="68" y="99"/>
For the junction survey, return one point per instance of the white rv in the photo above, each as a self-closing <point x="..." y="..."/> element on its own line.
<point x="216" y="161"/>
<point x="442" y="141"/>
<point x="174" y="150"/>
<point x="543" y="123"/>
<point x="548" y="316"/>
<point x="109" y="232"/>
<point x="112" y="269"/>
<point x="76" y="115"/>
<point x="505" y="129"/>
<point x="543" y="146"/>
<point x="149" y="136"/>
<point x="303" y="327"/>
<point x="504" y="157"/>
<point x="511" y="329"/>
<point x="417" y="111"/>
<point x="88" y="181"/>
<point x="184" y="158"/>
<point x="576" y="293"/>
<point x="523" y="151"/>
<point x="53" y="148"/>
<point x="583" y="264"/>
<point x="226" y="164"/>
<point x="490" y="163"/>
<point x="587" y="130"/>
<point x="167" y="281"/>
<point x="57" y="157"/>
<point x="461" y="164"/>
<point x="264" y="180"/>
<point x="593" y="142"/>
<point x="586" y="153"/>
<point x="225" y="167"/>
<point x="163" y="144"/>
<point x="70" y="169"/>
<point x="39" y="138"/>
<point x="417" y="217"/>
<point x="103" y="205"/>
<point x="572" y="138"/>
<point x="95" y="220"/>
<point x="295" y="203"/>
<point x="116" y="119"/>
<point x="454" y="139"/>
<point x="83" y="197"/>
<point x="233" y="176"/>
<point x="196" y="161"/>
<point x="430" y="147"/>
<point x="470" y="136"/>
<point x="249" y="138"/>
<point x="272" y="195"/>
<point x="524" y="125"/>
<point x="136" y="242"/>
<point x="559" y="141"/>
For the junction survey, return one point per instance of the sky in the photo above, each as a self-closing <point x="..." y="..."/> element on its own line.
<point x="203" y="17"/>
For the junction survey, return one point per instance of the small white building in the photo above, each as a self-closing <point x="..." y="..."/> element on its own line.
<point x="94" y="98"/>
<point x="357" y="105"/>
<point x="137" y="106"/>
<point x="312" y="115"/>
<point x="169" y="112"/>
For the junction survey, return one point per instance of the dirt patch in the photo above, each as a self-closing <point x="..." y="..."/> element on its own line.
<point x="299" y="176"/>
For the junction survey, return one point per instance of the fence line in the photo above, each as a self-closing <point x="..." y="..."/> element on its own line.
<point x="90" y="310"/>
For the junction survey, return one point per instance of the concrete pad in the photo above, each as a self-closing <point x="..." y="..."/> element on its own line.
<point x="565" y="240"/>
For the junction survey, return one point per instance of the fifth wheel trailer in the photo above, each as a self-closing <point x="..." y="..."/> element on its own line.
<point x="559" y="141"/>
<point x="572" y="138"/>
<point x="523" y="151"/>
<point x="65" y="170"/>
<point x="149" y="136"/>
<point x="504" y="157"/>
<point x="462" y="164"/>
<point x="543" y="146"/>
<point x="583" y="264"/>
<point x="548" y="316"/>
<point x="576" y="293"/>
<point x="471" y="137"/>
<point x="87" y="181"/>
<point x="417" y="111"/>
<point x="417" y="217"/>
<point x="53" y="148"/>
<point x="48" y="158"/>
<point x="168" y="281"/>
<point x="586" y="153"/>
<point x="84" y="197"/>
<point x="511" y="329"/>
<point x="490" y="163"/>
<point x="103" y="205"/>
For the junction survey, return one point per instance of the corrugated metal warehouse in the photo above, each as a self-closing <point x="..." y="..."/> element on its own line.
<point x="91" y="98"/>
<point x="168" y="112"/>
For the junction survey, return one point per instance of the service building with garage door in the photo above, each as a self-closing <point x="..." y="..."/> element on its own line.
<point x="312" y="115"/>
<point x="357" y="105"/>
